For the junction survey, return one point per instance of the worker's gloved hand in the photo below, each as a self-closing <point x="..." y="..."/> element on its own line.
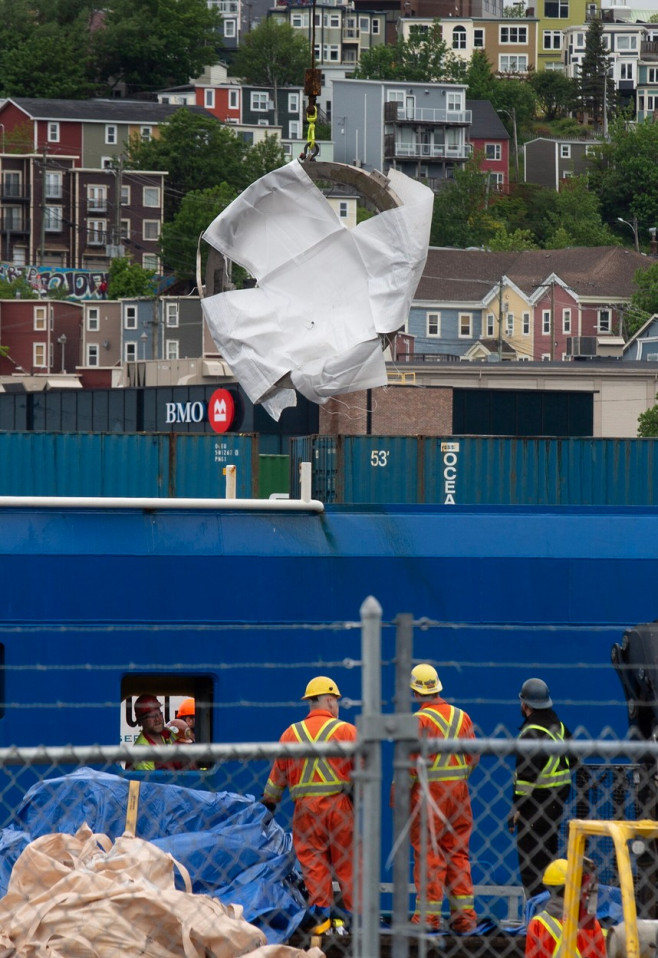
<point x="513" y="819"/>
<point x="270" y="806"/>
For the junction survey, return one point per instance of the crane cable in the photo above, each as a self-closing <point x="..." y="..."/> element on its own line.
<point x="312" y="89"/>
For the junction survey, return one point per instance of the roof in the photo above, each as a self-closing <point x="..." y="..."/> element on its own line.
<point x="453" y="275"/>
<point x="102" y="111"/>
<point x="486" y="123"/>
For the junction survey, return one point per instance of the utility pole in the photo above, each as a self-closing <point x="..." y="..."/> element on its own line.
<point x="500" y="319"/>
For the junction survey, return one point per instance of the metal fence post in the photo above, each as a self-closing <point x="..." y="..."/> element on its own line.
<point x="368" y="795"/>
<point x="401" y="804"/>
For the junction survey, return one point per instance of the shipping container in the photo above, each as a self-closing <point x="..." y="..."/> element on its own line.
<point x="472" y="470"/>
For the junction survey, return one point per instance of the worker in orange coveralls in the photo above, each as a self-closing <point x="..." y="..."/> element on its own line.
<point x="323" y="820"/>
<point x="544" y="935"/>
<point x="449" y="820"/>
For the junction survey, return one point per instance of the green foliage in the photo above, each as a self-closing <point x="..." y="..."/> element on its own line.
<point x="180" y="237"/>
<point x="17" y="289"/>
<point x="422" y="58"/>
<point x="575" y="219"/>
<point x="480" y="78"/>
<point x="593" y="73"/>
<point x="515" y="241"/>
<point x="648" y="423"/>
<point x="128" y="279"/>
<point x="273" y="55"/>
<point x="198" y="153"/>
<point x="645" y="297"/>
<point x="462" y="215"/>
<point x="624" y="175"/>
<point x="262" y="158"/>
<point x="556" y="93"/>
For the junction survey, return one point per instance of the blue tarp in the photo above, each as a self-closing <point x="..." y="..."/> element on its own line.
<point x="228" y="843"/>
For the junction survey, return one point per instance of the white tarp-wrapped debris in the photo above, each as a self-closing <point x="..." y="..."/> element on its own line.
<point x="325" y="293"/>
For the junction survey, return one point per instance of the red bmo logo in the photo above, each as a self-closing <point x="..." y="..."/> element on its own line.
<point x="221" y="410"/>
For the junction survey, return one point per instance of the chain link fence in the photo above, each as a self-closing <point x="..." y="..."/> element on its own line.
<point x="208" y="815"/>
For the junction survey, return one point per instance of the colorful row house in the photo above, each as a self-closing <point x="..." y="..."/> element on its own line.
<point x="537" y="305"/>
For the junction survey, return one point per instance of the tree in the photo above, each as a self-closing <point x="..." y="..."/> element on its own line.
<point x="262" y="158"/>
<point x="153" y="44"/>
<point x="462" y="215"/>
<point x="593" y="81"/>
<point x="50" y="63"/>
<point x="648" y="423"/>
<point x="17" y="289"/>
<point x="273" y="55"/>
<point x="575" y="219"/>
<point x="556" y="93"/>
<point x="180" y="237"/>
<point x="129" y="279"/>
<point x="422" y="58"/>
<point x="645" y="297"/>
<point x="517" y="240"/>
<point x="480" y="78"/>
<point x="198" y="153"/>
<point x="624" y="174"/>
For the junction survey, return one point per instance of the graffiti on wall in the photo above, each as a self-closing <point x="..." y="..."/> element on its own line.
<point x="77" y="283"/>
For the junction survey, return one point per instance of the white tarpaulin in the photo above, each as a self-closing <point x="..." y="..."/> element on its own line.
<point x="325" y="293"/>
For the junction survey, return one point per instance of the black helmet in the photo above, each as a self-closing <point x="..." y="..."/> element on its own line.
<point x="534" y="692"/>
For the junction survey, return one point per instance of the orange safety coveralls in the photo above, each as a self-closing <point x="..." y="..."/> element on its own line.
<point x="544" y="937"/>
<point x="449" y="823"/>
<point x="323" y="820"/>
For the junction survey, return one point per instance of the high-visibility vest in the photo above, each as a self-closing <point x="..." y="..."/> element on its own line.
<point x="556" y="771"/>
<point x="554" y="927"/>
<point x="318" y="777"/>
<point x="447" y="766"/>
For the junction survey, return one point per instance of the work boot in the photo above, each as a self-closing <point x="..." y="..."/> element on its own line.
<point x="463" y="924"/>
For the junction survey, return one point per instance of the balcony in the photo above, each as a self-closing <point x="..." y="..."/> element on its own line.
<point x="649" y="50"/>
<point x="424" y="151"/>
<point x="397" y="113"/>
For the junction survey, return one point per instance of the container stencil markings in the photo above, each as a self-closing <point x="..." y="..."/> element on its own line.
<point x="379" y="457"/>
<point x="449" y="451"/>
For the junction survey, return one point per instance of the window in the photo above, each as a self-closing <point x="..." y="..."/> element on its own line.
<point x="110" y="134"/>
<point x="96" y="232"/>
<point x="652" y="75"/>
<point x="130" y="317"/>
<point x="552" y="39"/>
<point x="295" y="130"/>
<point x="513" y="63"/>
<point x="459" y="38"/>
<point x="343" y="209"/>
<point x="509" y="324"/>
<point x="53" y="132"/>
<point x="465" y="325"/>
<point x="433" y="324"/>
<point x="209" y="99"/>
<point x="11" y="184"/>
<point x="491" y="320"/>
<point x="478" y="39"/>
<point x="364" y="24"/>
<point x="454" y="102"/>
<point x="496" y="180"/>
<point x="565" y="151"/>
<point x="230" y="29"/>
<point x="171" y="348"/>
<point x="92" y="354"/>
<point x="130" y="352"/>
<point x="146" y="133"/>
<point x="334" y="21"/>
<point x="514" y="34"/>
<point x="259" y="101"/>
<point x="525" y="324"/>
<point x="331" y="53"/>
<point x="52" y="219"/>
<point x="40" y="318"/>
<point x="492" y="151"/>
<point x="97" y="198"/>
<point x="12" y="218"/>
<point x="125" y="195"/>
<point x="53" y="186"/>
<point x="625" y="71"/>
<point x="151" y="229"/>
<point x="171" y="313"/>
<point x="293" y="103"/>
<point x="298" y="20"/>
<point x="93" y="319"/>
<point x="151" y="262"/>
<point x="151" y="196"/>
<point x="556" y="9"/>
<point x="566" y="320"/>
<point x="626" y="43"/>
<point x="233" y="100"/>
<point x="605" y="324"/>
<point x="125" y="229"/>
<point x="546" y="322"/>
<point x="375" y="28"/>
<point x="590" y="149"/>
<point x="39" y="354"/>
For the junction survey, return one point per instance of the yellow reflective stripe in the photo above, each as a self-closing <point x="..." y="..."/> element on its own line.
<point x="330" y="783"/>
<point x="441" y="769"/>
<point x="461" y="902"/>
<point x="554" y="927"/>
<point x="551" y="776"/>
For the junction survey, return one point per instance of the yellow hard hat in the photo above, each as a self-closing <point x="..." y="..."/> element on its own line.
<point x="321" y="685"/>
<point x="556" y="873"/>
<point x="425" y="679"/>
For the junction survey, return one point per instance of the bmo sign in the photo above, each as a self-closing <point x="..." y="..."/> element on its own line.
<point x="219" y="411"/>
